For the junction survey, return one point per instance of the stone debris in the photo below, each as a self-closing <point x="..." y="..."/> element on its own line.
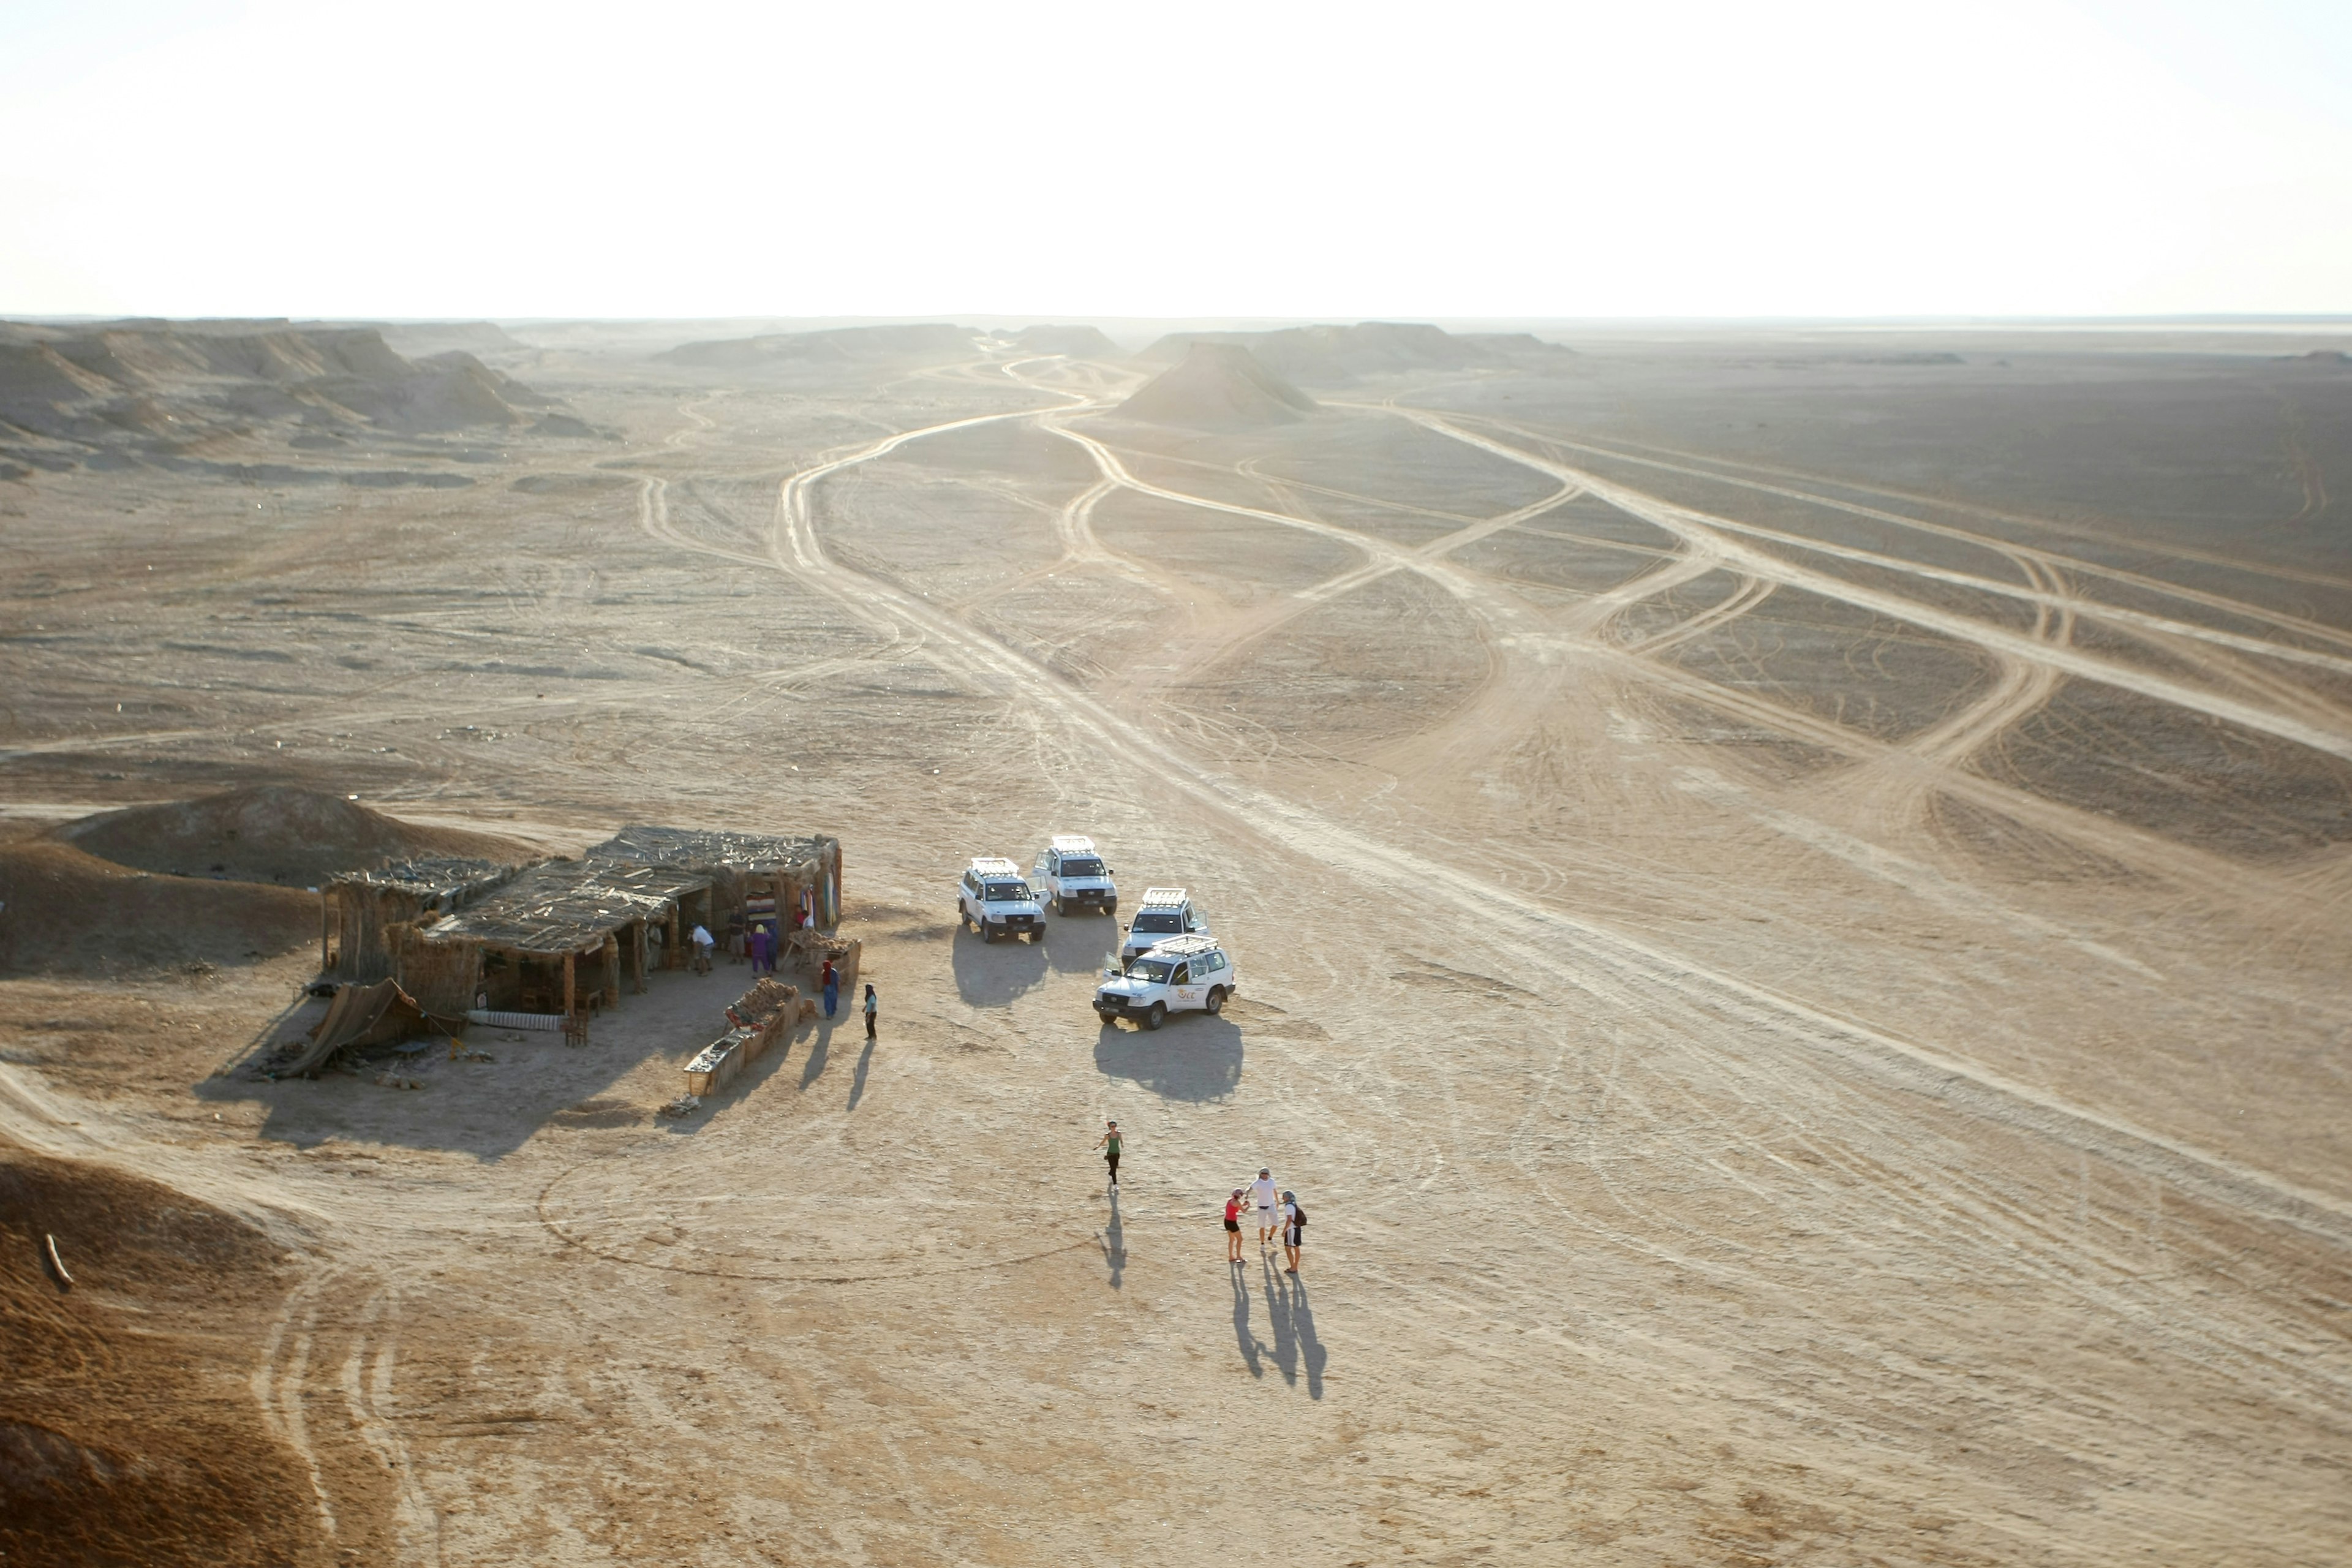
<point x="684" y="1105"/>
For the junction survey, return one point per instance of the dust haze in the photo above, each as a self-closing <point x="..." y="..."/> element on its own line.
<point x="1793" y="890"/>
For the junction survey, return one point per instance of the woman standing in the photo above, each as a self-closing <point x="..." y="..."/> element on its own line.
<point x="832" y="989"/>
<point x="1109" y="1145"/>
<point x="872" y="1008"/>
<point x="1234" y="1227"/>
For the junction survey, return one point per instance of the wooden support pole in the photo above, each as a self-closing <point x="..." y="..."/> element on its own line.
<point x="326" y="903"/>
<point x="612" y="959"/>
<point x="571" y="986"/>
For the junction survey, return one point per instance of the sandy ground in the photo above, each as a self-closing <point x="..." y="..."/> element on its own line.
<point x="1792" y="914"/>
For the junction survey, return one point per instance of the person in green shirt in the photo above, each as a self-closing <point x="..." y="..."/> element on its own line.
<point x="1109" y="1143"/>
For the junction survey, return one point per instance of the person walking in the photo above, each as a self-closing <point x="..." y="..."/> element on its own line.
<point x="1234" y="1227"/>
<point x="832" y="989"/>
<point x="1294" y="1231"/>
<point x="872" y="1008"/>
<point x="1264" y="1194"/>
<point x="1109" y="1145"/>
<point x="702" y="946"/>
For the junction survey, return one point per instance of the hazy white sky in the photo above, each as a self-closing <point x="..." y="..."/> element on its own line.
<point x="1453" y="159"/>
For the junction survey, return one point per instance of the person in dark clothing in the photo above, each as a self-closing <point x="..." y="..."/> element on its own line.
<point x="872" y="1008"/>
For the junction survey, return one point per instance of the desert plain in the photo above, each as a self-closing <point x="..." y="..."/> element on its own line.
<point x="1792" y="891"/>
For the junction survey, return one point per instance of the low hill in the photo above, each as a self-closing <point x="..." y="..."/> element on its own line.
<point x="1078" y="343"/>
<point x="275" y="835"/>
<point x="158" y="390"/>
<point x="63" y="908"/>
<point x="1341" y="355"/>
<point x="119" y="1442"/>
<point x="833" y="345"/>
<point x="1218" y="386"/>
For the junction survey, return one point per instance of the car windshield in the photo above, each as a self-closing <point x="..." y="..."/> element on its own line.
<point x="1007" y="893"/>
<point x="1159" y="919"/>
<point x="1155" y="970"/>
<point x="1081" y="865"/>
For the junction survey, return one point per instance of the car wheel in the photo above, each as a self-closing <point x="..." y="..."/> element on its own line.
<point x="1111" y="908"/>
<point x="1061" y="905"/>
<point x="1037" y="934"/>
<point x="1156" y="1016"/>
<point x="987" y="931"/>
<point x="1216" y="998"/>
<point x="1107" y="1015"/>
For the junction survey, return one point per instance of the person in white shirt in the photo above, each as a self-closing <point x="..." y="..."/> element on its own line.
<point x="702" y="946"/>
<point x="1264" y="1196"/>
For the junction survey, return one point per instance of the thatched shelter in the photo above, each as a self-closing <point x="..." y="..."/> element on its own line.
<point x="358" y="909"/>
<point x="569" y="936"/>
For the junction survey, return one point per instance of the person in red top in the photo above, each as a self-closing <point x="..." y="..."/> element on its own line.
<point x="1234" y="1227"/>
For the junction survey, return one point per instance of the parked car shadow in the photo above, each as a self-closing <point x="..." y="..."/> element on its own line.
<point x="1193" y="1057"/>
<point x="1077" y="944"/>
<point x="990" y="974"/>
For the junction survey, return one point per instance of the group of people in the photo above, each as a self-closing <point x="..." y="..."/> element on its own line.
<point x="1275" y="1210"/>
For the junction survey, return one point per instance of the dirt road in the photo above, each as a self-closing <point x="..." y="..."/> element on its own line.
<point x="1756" y="1100"/>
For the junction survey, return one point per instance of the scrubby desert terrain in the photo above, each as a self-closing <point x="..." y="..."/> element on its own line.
<point x="1792" y="892"/>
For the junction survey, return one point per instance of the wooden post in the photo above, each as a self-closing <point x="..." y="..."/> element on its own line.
<point x="671" y="952"/>
<point x="612" y="957"/>
<point x="326" y="903"/>
<point x="570" y="987"/>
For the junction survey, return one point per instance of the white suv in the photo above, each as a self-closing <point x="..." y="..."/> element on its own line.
<point x="1184" y="973"/>
<point x="1071" y="876"/>
<point x="996" y="898"/>
<point x="1164" y="912"/>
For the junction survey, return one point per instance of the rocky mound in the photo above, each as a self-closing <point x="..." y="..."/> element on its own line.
<point x="1218" y="386"/>
<point x="159" y="391"/>
<point x="1341" y="355"/>
<point x="124" y="1433"/>
<point x="275" y="835"/>
<point x="835" y="345"/>
<point x="65" y="911"/>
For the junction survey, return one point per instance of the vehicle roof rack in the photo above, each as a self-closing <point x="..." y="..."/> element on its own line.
<point x="1164" y="895"/>
<point x="994" y="865"/>
<point x="1073" y="844"/>
<point x="1190" y="941"/>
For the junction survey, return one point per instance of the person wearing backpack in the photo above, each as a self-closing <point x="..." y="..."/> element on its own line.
<point x="1294" y="1231"/>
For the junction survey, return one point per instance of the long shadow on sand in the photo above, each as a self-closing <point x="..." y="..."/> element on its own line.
<point x="1296" y="1348"/>
<point x="1079" y="945"/>
<point x="991" y="974"/>
<point x="1193" y="1057"/>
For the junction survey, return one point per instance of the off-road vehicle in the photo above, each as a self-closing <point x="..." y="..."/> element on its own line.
<point x="1184" y="973"/>
<point x="1164" y="912"/>
<point x="996" y="898"/>
<point x="1070" y="876"/>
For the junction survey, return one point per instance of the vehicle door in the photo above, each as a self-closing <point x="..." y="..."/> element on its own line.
<point x="1192" y="921"/>
<point x="1047" y="873"/>
<point x="1181" y="992"/>
<point x="971" y="895"/>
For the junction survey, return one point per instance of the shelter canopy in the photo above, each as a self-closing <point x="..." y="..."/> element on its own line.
<point x="706" y="848"/>
<point x="569" y="906"/>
